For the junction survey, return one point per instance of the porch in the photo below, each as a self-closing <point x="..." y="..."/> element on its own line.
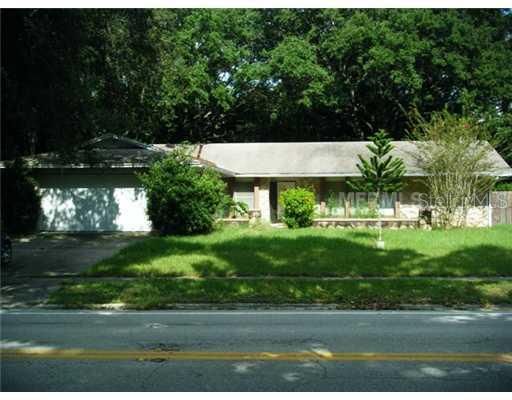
<point x="335" y="204"/>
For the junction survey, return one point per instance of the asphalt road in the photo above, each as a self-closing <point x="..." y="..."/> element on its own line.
<point x="255" y="351"/>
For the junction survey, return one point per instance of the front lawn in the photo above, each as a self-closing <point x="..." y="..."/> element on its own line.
<point x="313" y="252"/>
<point x="360" y="294"/>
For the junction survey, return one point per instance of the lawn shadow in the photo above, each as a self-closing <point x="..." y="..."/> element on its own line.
<point x="305" y="255"/>
<point x="301" y="253"/>
<point x="482" y="260"/>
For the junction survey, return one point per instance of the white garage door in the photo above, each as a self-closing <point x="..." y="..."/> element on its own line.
<point x="92" y="202"/>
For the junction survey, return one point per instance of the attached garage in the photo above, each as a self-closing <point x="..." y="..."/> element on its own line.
<point x="91" y="200"/>
<point x="97" y="190"/>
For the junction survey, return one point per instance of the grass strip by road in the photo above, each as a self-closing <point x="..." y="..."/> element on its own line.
<point x="109" y="355"/>
<point x="314" y="252"/>
<point x="350" y="294"/>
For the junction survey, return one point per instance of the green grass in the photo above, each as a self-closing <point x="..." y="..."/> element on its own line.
<point x="483" y="252"/>
<point x="360" y="294"/>
<point x="316" y="253"/>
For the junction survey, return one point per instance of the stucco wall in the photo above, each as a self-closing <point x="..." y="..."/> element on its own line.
<point x="92" y="202"/>
<point x="265" y="199"/>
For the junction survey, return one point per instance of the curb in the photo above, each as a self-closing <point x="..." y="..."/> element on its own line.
<point x="72" y="276"/>
<point x="273" y="307"/>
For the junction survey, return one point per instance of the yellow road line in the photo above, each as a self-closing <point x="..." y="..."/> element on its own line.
<point x="84" y="354"/>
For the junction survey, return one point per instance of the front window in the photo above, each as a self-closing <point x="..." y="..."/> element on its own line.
<point x="244" y="192"/>
<point x="387" y="204"/>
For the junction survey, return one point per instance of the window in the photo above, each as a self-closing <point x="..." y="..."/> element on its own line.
<point x="387" y="204"/>
<point x="244" y="193"/>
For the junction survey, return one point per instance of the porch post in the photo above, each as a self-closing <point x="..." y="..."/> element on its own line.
<point x="347" y="208"/>
<point x="397" y="205"/>
<point x="256" y="204"/>
<point x="322" y="195"/>
<point x="264" y="198"/>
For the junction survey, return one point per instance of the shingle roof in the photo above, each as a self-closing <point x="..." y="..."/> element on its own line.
<point x="99" y="158"/>
<point x="311" y="158"/>
<point x="245" y="159"/>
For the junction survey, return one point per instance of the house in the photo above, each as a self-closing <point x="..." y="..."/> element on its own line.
<point x="98" y="190"/>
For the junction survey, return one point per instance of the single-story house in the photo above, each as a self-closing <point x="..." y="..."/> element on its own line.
<point x="98" y="190"/>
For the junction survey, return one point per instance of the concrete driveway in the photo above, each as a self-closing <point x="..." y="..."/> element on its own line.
<point x="41" y="262"/>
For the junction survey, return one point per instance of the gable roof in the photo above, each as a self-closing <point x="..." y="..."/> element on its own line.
<point x="110" y="141"/>
<point x="112" y="151"/>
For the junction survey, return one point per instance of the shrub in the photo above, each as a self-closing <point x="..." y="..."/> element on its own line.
<point x="182" y="198"/>
<point x="299" y="205"/>
<point x="21" y="203"/>
<point x="239" y="209"/>
<point x="366" y="210"/>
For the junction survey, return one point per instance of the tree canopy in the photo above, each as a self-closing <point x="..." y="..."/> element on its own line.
<point x="205" y="75"/>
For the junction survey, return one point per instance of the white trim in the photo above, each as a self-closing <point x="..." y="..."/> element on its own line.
<point x="125" y="139"/>
<point x="99" y="164"/>
<point x="310" y="175"/>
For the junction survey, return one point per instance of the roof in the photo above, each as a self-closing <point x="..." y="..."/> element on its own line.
<point x="295" y="159"/>
<point x="303" y="159"/>
<point x="105" y="142"/>
<point x="328" y="159"/>
<point x="112" y="151"/>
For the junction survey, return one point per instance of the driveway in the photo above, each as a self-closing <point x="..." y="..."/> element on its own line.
<point x="41" y="262"/>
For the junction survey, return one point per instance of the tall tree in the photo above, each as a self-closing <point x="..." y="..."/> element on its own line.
<point x="380" y="173"/>
<point x="247" y="75"/>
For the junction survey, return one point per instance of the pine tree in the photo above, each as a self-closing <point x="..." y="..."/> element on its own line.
<point x="381" y="173"/>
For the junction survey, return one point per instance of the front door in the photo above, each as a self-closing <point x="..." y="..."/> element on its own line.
<point x="281" y="187"/>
